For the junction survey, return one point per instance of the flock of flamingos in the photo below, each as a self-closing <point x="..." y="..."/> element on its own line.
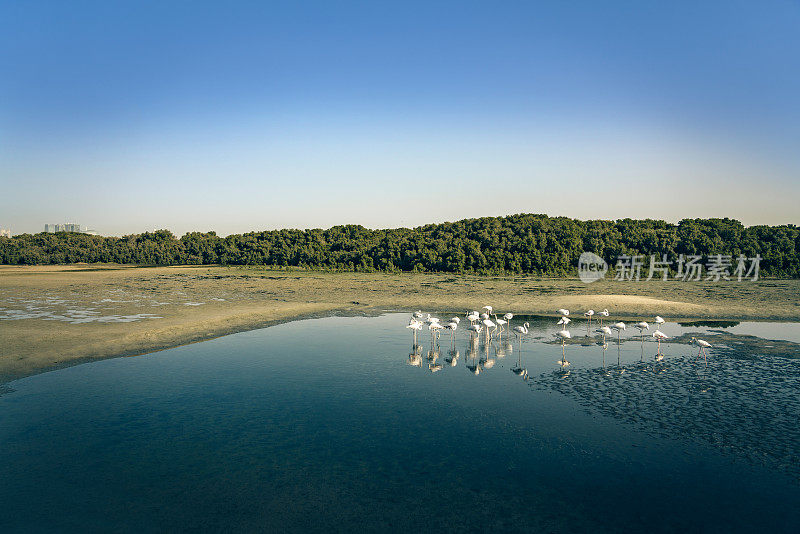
<point x="482" y="323"/>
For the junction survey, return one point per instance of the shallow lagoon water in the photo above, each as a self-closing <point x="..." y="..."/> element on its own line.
<point x="323" y="425"/>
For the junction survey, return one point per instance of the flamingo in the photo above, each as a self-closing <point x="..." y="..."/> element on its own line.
<point x="475" y="328"/>
<point x="659" y="335"/>
<point x="564" y="335"/>
<point x="562" y="311"/>
<point x="589" y="315"/>
<point x="500" y="322"/>
<point x="606" y="331"/>
<point x="417" y="314"/>
<point x="642" y="326"/>
<point x="488" y="324"/>
<point x="508" y="318"/>
<point x="488" y="309"/>
<point x="703" y="346"/>
<point x="435" y="327"/>
<point x="452" y="326"/>
<point x="602" y="314"/>
<point x="430" y="320"/>
<point x="415" y="326"/>
<point x="564" y="321"/>
<point x="520" y="331"/>
<point x="659" y="320"/>
<point x="619" y="327"/>
<point x="455" y="320"/>
<point x="473" y="317"/>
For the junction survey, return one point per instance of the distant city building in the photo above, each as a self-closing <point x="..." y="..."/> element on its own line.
<point x="68" y="227"/>
<point x="5" y="233"/>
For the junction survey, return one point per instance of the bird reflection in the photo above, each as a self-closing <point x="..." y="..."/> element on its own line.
<point x="472" y="355"/>
<point x="415" y="357"/>
<point x="486" y="361"/>
<point x="519" y="370"/>
<point x="433" y="355"/>
<point x="452" y="358"/>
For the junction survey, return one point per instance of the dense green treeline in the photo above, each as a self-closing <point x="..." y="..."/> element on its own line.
<point x="524" y="243"/>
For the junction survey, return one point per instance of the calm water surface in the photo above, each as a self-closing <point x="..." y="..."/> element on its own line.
<point x="340" y="424"/>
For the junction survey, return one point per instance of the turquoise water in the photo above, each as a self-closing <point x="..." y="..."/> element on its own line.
<point x="324" y="424"/>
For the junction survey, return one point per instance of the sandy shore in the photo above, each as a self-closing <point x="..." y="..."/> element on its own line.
<point x="67" y="314"/>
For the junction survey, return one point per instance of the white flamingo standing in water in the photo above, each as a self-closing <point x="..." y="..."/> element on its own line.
<point x="564" y="335"/>
<point x="602" y="314"/>
<point x="487" y="323"/>
<point x="473" y="317"/>
<point x="452" y="326"/>
<point x="619" y="327"/>
<point x="520" y="331"/>
<point x="589" y="315"/>
<point x="659" y="335"/>
<point x="435" y="328"/>
<point x="642" y="326"/>
<point x="562" y="311"/>
<point x="703" y="346"/>
<point x="474" y="328"/>
<point x="659" y="321"/>
<point x="416" y="326"/>
<point x="564" y="321"/>
<point x="606" y="331"/>
<point x="499" y="322"/>
<point x="508" y="318"/>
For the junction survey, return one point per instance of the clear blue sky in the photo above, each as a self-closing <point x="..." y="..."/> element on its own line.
<point x="240" y="116"/>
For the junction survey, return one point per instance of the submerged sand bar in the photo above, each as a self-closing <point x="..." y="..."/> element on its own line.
<point x="53" y="316"/>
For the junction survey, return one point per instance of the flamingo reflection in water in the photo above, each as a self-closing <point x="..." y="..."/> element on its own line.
<point x="486" y="361"/>
<point x="452" y="358"/>
<point x="472" y="354"/>
<point x="519" y="370"/>
<point x="415" y="357"/>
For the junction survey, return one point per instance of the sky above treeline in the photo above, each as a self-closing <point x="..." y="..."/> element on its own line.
<point x="245" y="116"/>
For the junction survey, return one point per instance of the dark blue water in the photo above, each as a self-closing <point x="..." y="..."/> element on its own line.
<point x="323" y="425"/>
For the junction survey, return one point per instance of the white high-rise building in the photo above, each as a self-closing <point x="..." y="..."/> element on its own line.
<point x="66" y="227"/>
